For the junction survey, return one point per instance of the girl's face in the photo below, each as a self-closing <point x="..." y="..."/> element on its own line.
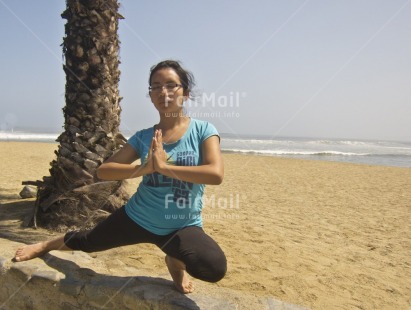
<point x="167" y="93"/>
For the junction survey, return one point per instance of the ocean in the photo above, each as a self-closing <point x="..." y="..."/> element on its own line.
<point x="383" y="153"/>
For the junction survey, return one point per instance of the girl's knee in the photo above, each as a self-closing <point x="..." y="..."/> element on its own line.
<point x="216" y="273"/>
<point x="209" y="270"/>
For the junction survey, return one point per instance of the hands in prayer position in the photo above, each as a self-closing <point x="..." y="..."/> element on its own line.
<point x="157" y="158"/>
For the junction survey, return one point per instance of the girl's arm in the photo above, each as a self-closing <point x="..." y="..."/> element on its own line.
<point x="211" y="171"/>
<point x="120" y="166"/>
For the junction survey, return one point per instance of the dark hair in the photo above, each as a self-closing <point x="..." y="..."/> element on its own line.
<point x="186" y="77"/>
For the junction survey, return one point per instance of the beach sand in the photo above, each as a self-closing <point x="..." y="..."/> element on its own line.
<point x="319" y="234"/>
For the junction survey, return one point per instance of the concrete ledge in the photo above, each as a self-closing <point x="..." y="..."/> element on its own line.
<point x="74" y="280"/>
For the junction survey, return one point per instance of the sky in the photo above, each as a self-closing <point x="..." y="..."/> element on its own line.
<point x="296" y="68"/>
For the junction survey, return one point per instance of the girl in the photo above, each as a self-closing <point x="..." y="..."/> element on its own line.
<point x="178" y="156"/>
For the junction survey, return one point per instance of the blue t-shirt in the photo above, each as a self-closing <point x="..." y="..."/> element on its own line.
<point x="162" y="204"/>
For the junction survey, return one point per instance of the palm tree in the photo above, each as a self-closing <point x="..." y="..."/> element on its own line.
<point x="72" y="196"/>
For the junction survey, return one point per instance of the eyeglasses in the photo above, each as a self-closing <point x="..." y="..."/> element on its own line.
<point x="170" y="87"/>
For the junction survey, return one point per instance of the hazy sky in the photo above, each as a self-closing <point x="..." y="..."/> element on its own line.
<point x="332" y="69"/>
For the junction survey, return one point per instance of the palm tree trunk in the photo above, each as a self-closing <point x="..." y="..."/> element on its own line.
<point x="72" y="196"/>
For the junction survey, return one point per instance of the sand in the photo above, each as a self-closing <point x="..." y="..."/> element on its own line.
<point x="318" y="234"/>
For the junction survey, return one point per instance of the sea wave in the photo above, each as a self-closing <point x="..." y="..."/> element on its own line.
<point x="293" y="153"/>
<point x="257" y="141"/>
<point x="339" y="142"/>
<point x="301" y="141"/>
<point x="28" y="136"/>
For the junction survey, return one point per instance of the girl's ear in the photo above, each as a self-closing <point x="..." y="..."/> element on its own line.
<point x="186" y="94"/>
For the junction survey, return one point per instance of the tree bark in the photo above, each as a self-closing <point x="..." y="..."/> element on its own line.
<point x="72" y="196"/>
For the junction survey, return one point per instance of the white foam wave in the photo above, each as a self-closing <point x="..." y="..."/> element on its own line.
<point x="337" y="142"/>
<point x="257" y="141"/>
<point x="27" y="136"/>
<point x="294" y="153"/>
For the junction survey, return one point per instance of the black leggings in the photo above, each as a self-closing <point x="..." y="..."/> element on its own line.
<point x="202" y="256"/>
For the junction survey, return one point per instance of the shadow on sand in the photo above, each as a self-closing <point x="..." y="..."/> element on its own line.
<point x="14" y="216"/>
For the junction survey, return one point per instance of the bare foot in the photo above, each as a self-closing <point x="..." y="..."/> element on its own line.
<point x="29" y="252"/>
<point x="177" y="271"/>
